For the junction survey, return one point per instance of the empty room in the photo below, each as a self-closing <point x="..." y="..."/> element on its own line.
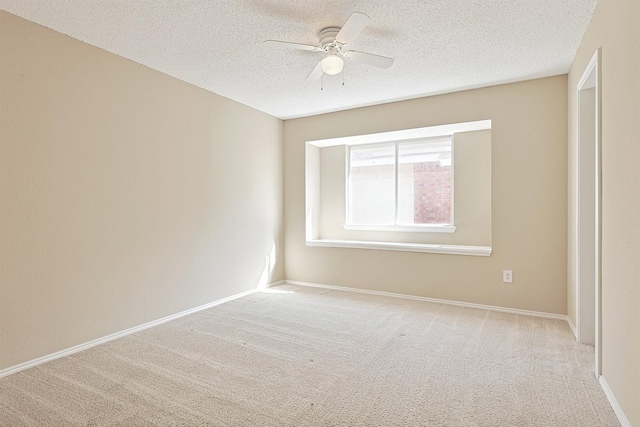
<point x="320" y="213"/>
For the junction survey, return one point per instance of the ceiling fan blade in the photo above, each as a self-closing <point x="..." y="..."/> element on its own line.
<point x="316" y="73"/>
<point x="370" y="58"/>
<point x="290" y="45"/>
<point x="356" y="22"/>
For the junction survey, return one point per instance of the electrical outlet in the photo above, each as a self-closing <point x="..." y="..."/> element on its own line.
<point x="507" y="276"/>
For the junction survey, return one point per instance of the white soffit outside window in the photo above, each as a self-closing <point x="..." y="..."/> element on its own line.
<point x="312" y="169"/>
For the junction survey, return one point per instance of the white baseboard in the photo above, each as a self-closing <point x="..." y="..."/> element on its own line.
<point x="116" y="335"/>
<point x="573" y="327"/>
<point x="281" y="282"/>
<point x="31" y="363"/>
<point x="93" y="343"/>
<point x="440" y="301"/>
<point x="614" y="403"/>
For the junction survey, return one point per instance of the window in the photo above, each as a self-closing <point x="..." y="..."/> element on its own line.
<point x="395" y="190"/>
<point x="405" y="184"/>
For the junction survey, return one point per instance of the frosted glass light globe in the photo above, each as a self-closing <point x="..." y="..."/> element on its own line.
<point x="332" y="65"/>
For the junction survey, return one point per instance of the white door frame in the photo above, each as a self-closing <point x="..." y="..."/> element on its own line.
<point x="589" y="180"/>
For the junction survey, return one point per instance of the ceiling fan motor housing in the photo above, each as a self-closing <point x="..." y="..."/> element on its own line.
<point x="327" y="37"/>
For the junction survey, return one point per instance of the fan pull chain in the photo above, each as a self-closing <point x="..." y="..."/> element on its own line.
<point x="322" y="82"/>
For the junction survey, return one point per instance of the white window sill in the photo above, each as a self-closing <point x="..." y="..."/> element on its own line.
<point x="403" y="228"/>
<point x="407" y="247"/>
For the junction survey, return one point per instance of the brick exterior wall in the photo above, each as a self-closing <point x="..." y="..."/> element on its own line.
<point x="432" y="193"/>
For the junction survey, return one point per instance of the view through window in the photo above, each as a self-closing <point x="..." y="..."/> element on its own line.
<point x="407" y="183"/>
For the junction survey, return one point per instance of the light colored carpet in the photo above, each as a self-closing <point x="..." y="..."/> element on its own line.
<point x="312" y="357"/>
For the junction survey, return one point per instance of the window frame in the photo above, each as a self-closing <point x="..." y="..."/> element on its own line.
<point x="398" y="227"/>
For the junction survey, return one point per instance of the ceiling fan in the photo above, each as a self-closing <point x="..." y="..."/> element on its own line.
<point x="332" y="42"/>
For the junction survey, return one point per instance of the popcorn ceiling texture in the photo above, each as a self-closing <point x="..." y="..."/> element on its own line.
<point x="439" y="45"/>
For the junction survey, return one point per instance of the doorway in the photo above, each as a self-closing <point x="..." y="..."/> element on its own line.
<point x="588" y="211"/>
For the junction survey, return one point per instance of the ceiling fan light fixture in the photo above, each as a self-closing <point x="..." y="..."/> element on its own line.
<point x="332" y="43"/>
<point x="332" y="65"/>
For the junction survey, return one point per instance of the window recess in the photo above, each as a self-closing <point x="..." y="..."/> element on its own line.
<point x="394" y="191"/>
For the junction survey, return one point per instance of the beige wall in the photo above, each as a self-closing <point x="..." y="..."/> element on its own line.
<point x="529" y="198"/>
<point x="119" y="190"/>
<point x="615" y="28"/>
<point x="126" y="195"/>
<point x="472" y="196"/>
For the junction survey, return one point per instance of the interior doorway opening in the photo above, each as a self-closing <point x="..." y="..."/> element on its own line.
<point x="588" y="211"/>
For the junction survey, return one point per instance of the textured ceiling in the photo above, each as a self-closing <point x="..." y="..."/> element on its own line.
<point x="439" y="45"/>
